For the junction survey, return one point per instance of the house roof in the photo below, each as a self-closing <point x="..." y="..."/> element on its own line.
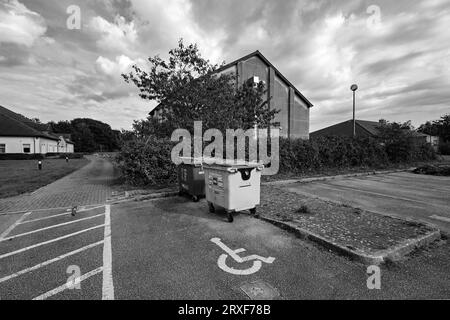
<point x="258" y="54"/>
<point x="371" y="127"/>
<point x="21" y="118"/>
<point x="15" y="125"/>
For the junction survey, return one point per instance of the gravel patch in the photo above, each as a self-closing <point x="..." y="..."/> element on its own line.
<point x="350" y="227"/>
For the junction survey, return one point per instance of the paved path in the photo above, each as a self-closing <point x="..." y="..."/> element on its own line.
<point x="89" y="185"/>
<point x="419" y="197"/>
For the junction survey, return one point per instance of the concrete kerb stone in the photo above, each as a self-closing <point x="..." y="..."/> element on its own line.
<point x="377" y="258"/>
<point x="143" y="197"/>
<point x="326" y="178"/>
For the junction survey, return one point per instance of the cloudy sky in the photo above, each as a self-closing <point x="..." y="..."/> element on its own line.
<point x="397" y="51"/>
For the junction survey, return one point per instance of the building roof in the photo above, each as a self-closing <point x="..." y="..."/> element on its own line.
<point x="371" y="127"/>
<point x="15" y="125"/>
<point x="258" y="54"/>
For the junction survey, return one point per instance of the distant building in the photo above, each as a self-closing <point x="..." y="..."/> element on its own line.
<point x="19" y="134"/>
<point x="366" y="129"/>
<point x="363" y="129"/>
<point x="293" y="118"/>
<point x="65" y="144"/>
<point x="434" y="141"/>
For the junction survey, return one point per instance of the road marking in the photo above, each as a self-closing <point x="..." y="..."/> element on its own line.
<point x="435" y="217"/>
<point x="49" y="227"/>
<point x="257" y="260"/>
<point x="108" y="286"/>
<point x="47" y="209"/>
<point x="43" y="264"/>
<point x="58" y="215"/>
<point x="49" y="241"/>
<point x="69" y="285"/>
<point x="337" y="187"/>
<point x="7" y="231"/>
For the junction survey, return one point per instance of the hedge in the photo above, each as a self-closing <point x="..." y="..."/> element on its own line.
<point x="148" y="161"/>
<point x="21" y="156"/>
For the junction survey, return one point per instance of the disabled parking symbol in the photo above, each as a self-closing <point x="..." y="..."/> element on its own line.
<point x="257" y="260"/>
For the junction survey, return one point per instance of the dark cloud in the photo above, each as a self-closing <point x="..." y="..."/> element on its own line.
<point x="321" y="46"/>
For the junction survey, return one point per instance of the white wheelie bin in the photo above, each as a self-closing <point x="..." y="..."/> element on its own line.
<point x="233" y="185"/>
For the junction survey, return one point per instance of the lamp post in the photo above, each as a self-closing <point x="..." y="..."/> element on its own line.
<point x="354" y="87"/>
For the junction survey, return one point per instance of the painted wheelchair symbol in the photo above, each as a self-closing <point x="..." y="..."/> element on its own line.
<point x="257" y="260"/>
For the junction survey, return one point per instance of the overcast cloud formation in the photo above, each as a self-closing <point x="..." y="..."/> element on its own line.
<point x="400" y="58"/>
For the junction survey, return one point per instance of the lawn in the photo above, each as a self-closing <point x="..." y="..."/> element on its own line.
<point x="22" y="176"/>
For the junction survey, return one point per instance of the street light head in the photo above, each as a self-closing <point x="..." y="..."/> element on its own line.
<point x="354" y="87"/>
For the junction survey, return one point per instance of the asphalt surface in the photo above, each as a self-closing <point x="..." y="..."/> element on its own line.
<point x="163" y="250"/>
<point x="418" y="197"/>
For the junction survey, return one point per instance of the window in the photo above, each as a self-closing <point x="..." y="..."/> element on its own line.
<point x="2" y="148"/>
<point x="26" y="148"/>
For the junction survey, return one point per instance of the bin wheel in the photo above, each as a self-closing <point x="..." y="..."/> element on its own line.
<point x="211" y="207"/>
<point x="253" y="211"/>
<point x="230" y="217"/>
<point x="195" y="198"/>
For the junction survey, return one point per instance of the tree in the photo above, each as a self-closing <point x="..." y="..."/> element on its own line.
<point x="188" y="89"/>
<point x="440" y="128"/>
<point x="402" y="144"/>
<point x="88" y="135"/>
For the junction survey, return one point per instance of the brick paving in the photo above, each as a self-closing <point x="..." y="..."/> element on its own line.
<point x="349" y="227"/>
<point x="91" y="184"/>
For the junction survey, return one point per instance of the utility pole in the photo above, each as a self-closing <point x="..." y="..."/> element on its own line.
<point x="354" y="88"/>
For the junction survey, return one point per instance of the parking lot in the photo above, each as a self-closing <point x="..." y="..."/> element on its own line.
<point x="175" y="249"/>
<point x="418" y="197"/>
<point x="50" y="254"/>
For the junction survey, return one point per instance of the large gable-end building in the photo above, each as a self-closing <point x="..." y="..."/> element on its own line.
<point x="19" y="134"/>
<point x="293" y="118"/>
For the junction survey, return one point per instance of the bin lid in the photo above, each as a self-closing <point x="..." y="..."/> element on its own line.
<point x="191" y="160"/>
<point x="230" y="163"/>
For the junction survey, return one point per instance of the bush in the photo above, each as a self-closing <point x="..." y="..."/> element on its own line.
<point x="147" y="161"/>
<point x="21" y="156"/>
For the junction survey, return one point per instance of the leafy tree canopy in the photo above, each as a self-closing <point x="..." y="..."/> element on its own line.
<point x="440" y="128"/>
<point x="188" y="89"/>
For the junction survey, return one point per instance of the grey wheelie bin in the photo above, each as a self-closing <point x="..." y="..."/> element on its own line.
<point x="233" y="185"/>
<point x="191" y="178"/>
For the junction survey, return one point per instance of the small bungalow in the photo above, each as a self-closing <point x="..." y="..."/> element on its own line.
<point x="19" y="134"/>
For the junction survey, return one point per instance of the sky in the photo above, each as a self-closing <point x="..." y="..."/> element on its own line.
<point x="398" y="52"/>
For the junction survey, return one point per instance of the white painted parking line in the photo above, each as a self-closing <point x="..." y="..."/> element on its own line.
<point x="435" y="217"/>
<point x="48" y="209"/>
<point x="49" y="241"/>
<point x="50" y="227"/>
<point x="59" y="215"/>
<point x="7" y="231"/>
<point x="108" y="286"/>
<point x="68" y="285"/>
<point x="46" y="263"/>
